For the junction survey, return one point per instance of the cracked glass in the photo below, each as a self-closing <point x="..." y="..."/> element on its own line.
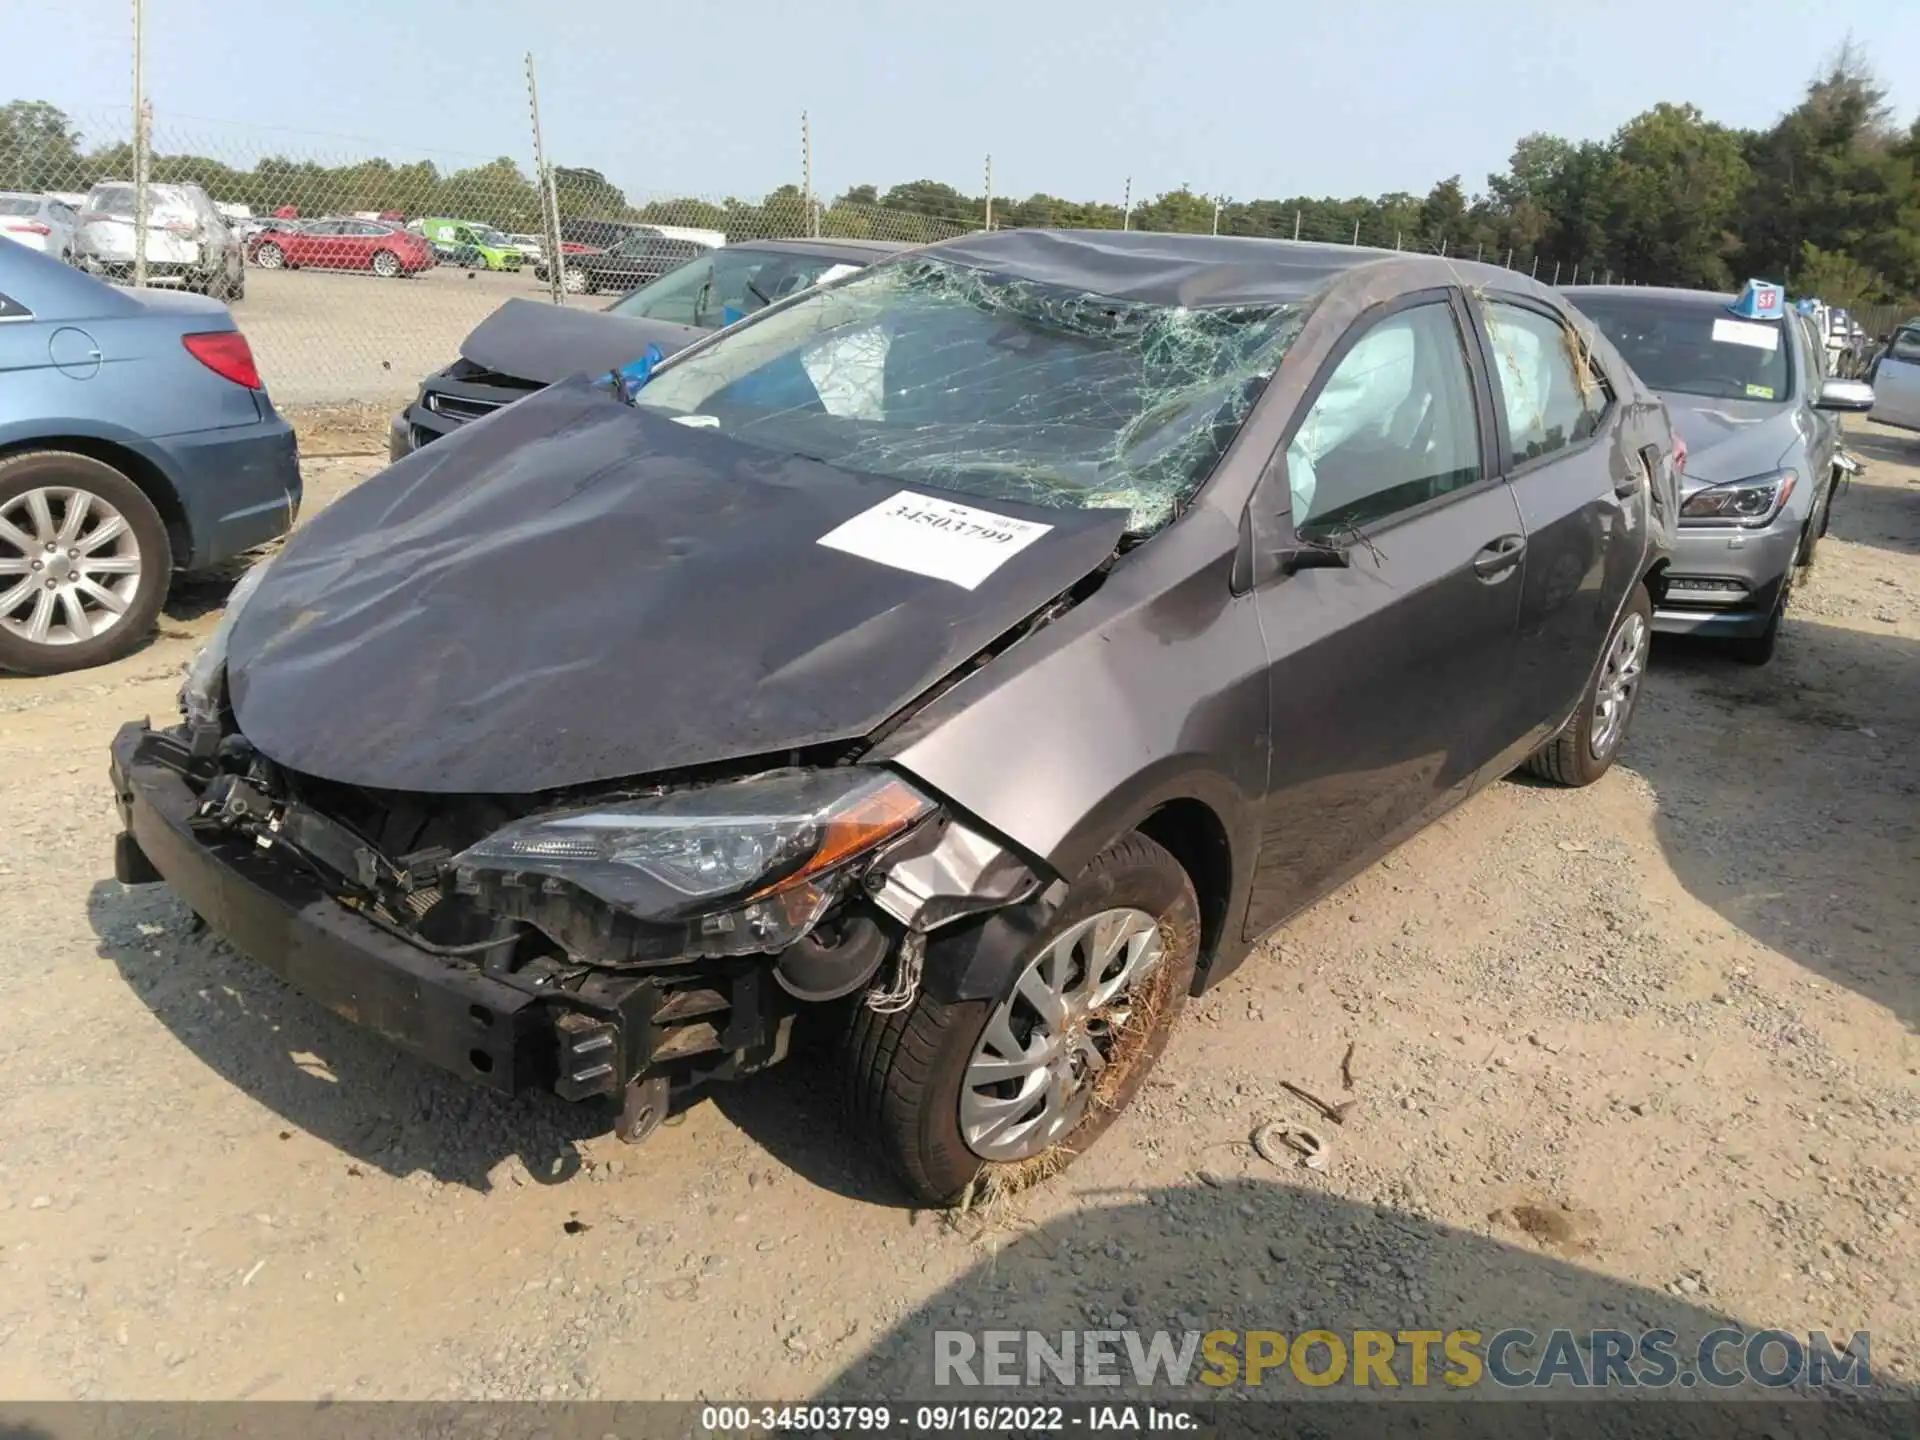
<point x="942" y="375"/>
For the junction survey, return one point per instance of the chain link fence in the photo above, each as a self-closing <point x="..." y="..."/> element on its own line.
<point x="353" y="273"/>
<point x="355" y="269"/>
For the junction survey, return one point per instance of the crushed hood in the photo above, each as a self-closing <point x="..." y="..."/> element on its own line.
<point x="574" y="591"/>
<point x="534" y="340"/>
<point x="1731" y="439"/>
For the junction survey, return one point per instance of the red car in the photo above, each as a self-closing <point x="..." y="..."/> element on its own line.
<point x="386" y="250"/>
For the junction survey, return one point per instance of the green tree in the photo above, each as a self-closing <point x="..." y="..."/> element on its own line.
<point x="1676" y="186"/>
<point x="39" y="148"/>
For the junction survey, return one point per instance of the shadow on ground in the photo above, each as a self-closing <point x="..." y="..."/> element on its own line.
<point x="318" y="1072"/>
<point x="1253" y="1254"/>
<point x="1789" y="798"/>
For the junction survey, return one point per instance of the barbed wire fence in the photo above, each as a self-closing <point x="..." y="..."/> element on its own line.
<point x="362" y="265"/>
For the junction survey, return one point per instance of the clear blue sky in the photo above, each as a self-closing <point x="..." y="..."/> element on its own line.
<point x="1249" y="98"/>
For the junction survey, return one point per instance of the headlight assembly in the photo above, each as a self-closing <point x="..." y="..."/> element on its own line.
<point x="744" y="866"/>
<point x="1751" y="503"/>
<point x="204" y="692"/>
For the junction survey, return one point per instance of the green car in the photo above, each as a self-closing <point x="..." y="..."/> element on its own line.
<point x="470" y="243"/>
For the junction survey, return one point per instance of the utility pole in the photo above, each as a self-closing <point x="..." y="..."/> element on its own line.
<point x="1396" y="239"/>
<point x="1216" y="214"/>
<point x="1296" y="224"/>
<point x="549" y="197"/>
<point x="806" y="172"/>
<point x="1356" y="232"/>
<point x="1126" y="211"/>
<point x="989" y="192"/>
<point x="140" y="141"/>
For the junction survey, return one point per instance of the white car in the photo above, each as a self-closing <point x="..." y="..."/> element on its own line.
<point x="38" y="222"/>
<point x="529" y="247"/>
<point x="188" y="244"/>
<point x="1895" y="378"/>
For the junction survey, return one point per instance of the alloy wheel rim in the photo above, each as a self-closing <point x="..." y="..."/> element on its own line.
<point x="269" y="257"/>
<point x="1619" y="681"/>
<point x="70" y="566"/>
<point x="1048" y="1045"/>
<point x="385" y="264"/>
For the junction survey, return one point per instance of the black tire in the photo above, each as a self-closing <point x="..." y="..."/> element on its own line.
<point x="1759" y="649"/>
<point x="62" y="468"/>
<point x="1570" y="758"/>
<point x="902" y="1072"/>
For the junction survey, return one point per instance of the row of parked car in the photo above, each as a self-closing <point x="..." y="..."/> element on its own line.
<point x="190" y="242"/>
<point x="975" y="649"/>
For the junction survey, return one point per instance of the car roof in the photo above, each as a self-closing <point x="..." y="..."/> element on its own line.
<point x="1670" y="293"/>
<point x="1198" y="271"/>
<point x="866" y="250"/>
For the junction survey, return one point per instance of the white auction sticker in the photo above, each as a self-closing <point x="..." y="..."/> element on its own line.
<point x="1746" y="332"/>
<point x="938" y="538"/>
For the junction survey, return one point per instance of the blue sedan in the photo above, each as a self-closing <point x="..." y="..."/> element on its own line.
<point x="136" y="441"/>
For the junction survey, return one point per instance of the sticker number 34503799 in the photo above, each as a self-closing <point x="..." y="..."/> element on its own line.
<point x="942" y="539"/>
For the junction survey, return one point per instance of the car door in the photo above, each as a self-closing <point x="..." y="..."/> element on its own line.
<point x="358" y="242"/>
<point x="314" y="242"/>
<point x="1819" y="429"/>
<point x="1386" y="675"/>
<point x="1896" y="380"/>
<point x="1584" y="505"/>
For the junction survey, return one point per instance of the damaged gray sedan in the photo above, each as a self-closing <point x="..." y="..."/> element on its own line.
<point x="979" y="653"/>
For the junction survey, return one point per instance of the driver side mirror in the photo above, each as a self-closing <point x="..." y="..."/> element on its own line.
<point x="1853" y="396"/>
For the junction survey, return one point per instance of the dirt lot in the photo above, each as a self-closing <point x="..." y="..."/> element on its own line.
<point x="1640" y="1054"/>
<point x="326" y="336"/>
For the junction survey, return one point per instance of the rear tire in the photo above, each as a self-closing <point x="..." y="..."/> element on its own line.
<point x="1585" y="747"/>
<point x="142" y="541"/>
<point x="907" y="1075"/>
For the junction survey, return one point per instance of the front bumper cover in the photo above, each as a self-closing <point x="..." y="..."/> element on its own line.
<point x="453" y="1017"/>
<point x="1753" y="566"/>
<point x="498" y="1031"/>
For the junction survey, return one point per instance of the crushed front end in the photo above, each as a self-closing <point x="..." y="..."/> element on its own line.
<point x="621" y="944"/>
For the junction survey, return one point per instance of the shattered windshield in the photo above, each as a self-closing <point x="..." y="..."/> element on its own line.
<point x="941" y="375"/>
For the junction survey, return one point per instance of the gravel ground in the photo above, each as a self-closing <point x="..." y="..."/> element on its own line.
<point x="1640" y="1054"/>
<point x="325" y="336"/>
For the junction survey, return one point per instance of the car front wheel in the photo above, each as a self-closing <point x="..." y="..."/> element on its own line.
<point x="975" y="1096"/>
<point x="270" y="257"/>
<point x="84" y="563"/>
<point x="573" y="281"/>
<point x="1585" y="747"/>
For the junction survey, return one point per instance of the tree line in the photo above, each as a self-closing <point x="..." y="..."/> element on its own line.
<point x="1826" y="199"/>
